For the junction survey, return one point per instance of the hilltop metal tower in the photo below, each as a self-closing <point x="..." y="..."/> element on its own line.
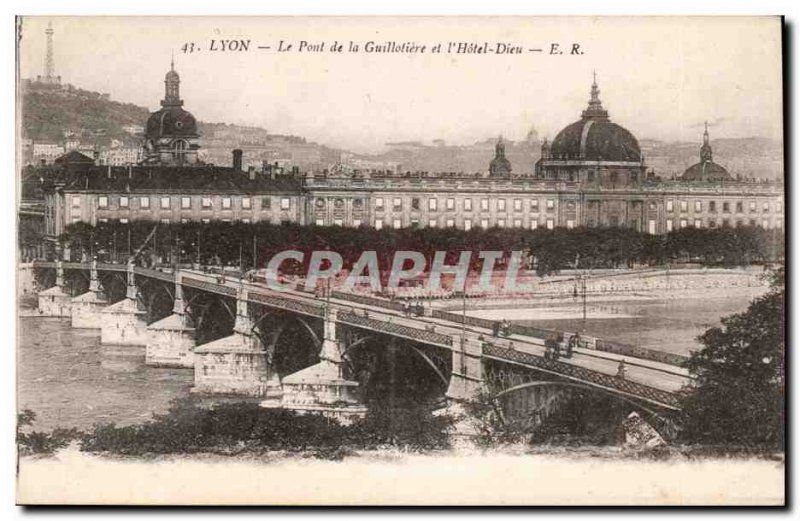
<point x="49" y="61"/>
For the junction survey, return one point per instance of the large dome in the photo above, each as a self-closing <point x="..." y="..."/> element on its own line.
<point x="595" y="140"/>
<point x="595" y="137"/>
<point x="171" y="122"/>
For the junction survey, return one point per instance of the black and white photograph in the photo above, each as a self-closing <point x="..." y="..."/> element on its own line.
<point x="385" y="260"/>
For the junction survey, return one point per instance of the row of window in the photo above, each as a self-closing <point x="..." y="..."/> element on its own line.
<point x="712" y="223"/>
<point x="726" y="206"/>
<point x="467" y="223"/>
<point x="450" y="204"/>
<point x="165" y="203"/>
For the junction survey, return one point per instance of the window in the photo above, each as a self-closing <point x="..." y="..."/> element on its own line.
<point x="103" y="220"/>
<point x="164" y="221"/>
<point x="669" y="206"/>
<point x="685" y="206"/>
<point x="266" y="203"/>
<point x="165" y="203"/>
<point x="765" y="207"/>
<point x="778" y="223"/>
<point x="484" y="205"/>
<point x="378" y="224"/>
<point x="534" y="225"/>
<point x="765" y="223"/>
<point x="711" y="223"/>
<point x="450" y="204"/>
<point x="468" y="224"/>
<point x="651" y="227"/>
<point x="76" y="200"/>
<point x="669" y="225"/>
<point x="378" y="205"/>
<point x="779" y="207"/>
<point x="535" y="205"/>
<point x="484" y="223"/>
<point x="726" y="207"/>
<point x="517" y="205"/>
<point x="144" y="202"/>
<point x="752" y="206"/>
<point x="102" y="201"/>
<point x="432" y="223"/>
<point x="739" y="207"/>
<point x="467" y="205"/>
<point x="123" y="202"/>
<point x="337" y="222"/>
<point x="415" y="223"/>
<point x="245" y="203"/>
<point x="501" y="205"/>
<point x="123" y="221"/>
<point x="551" y="204"/>
<point x="698" y="206"/>
<point x="683" y="223"/>
<point x="246" y="220"/>
<point x="186" y="202"/>
<point x="338" y="203"/>
<point x="752" y="222"/>
<point x="205" y="221"/>
<point x="432" y="204"/>
<point x="415" y="203"/>
<point x="699" y="224"/>
<point x="206" y="202"/>
<point x="397" y="204"/>
<point x="179" y="148"/>
<point x="550" y="224"/>
<point x="226" y="203"/>
<point x="397" y="224"/>
<point x="712" y="206"/>
<point x="726" y="223"/>
<point x="320" y="222"/>
<point x="501" y="223"/>
<point x="184" y="220"/>
<point x="517" y="223"/>
<point x="570" y="224"/>
<point x="286" y="203"/>
<point x="356" y="223"/>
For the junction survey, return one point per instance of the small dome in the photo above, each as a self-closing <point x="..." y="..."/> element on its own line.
<point x="706" y="171"/>
<point x="171" y="122"/>
<point x="595" y="140"/>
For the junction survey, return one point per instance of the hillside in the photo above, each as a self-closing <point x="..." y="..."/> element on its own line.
<point x="47" y="112"/>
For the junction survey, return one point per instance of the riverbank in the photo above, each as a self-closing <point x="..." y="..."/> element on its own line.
<point x="394" y="477"/>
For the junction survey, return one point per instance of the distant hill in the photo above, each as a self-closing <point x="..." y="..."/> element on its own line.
<point x="48" y="111"/>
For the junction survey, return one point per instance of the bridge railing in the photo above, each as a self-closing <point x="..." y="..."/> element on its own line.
<point x="423" y="335"/>
<point x="663" y="398"/>
<point x="367" y="300"/>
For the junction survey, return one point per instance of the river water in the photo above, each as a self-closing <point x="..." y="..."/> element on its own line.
<point x="68" y="379"/>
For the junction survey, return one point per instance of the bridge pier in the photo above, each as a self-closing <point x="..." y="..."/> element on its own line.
<point x="170" y="341"/>
<point x="466" y="377"/>
<point x="55" y="301"/>
<point x="236" y="364"/>
<point x="125" y="323"/>
<point x="321" y="388"/>
<point x="87" y="308"/>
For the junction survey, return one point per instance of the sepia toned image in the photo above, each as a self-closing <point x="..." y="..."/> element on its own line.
<point x="400" y="261"/>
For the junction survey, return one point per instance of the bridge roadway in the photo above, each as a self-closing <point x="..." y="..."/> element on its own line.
<point x="654" y="381"/>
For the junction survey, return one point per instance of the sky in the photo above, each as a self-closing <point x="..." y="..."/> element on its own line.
<point x="661" y="78"/>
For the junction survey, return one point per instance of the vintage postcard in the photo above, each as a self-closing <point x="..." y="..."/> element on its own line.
<point x="400" y="261"/>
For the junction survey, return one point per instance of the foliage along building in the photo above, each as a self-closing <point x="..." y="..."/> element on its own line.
<point x="592" y="174"/>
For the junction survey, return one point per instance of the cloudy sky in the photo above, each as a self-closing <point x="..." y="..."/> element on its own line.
<point x="659" y="77"/>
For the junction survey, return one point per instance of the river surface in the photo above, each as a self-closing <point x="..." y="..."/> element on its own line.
<point x="68" y="379"/>
<point x="665" y="324"/>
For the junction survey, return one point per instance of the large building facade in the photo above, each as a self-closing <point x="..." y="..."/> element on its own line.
<point x="592" y="174"/>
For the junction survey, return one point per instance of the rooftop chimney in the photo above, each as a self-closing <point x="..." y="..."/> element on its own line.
<point x="237" y="159"/>
<point x="251" y="172"/>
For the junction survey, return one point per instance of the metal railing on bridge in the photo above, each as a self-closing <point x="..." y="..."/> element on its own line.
<point x="423" y="335"/>
<point x="584" y="375"/>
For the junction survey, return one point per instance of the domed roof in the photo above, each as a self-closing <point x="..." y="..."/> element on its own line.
<point x="171" y="122"/>
<point x="706" y="171"/>
<point x="595" y="138"/>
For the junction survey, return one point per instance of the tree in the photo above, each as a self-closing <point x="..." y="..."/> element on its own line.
<point x="737" y="398"/>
